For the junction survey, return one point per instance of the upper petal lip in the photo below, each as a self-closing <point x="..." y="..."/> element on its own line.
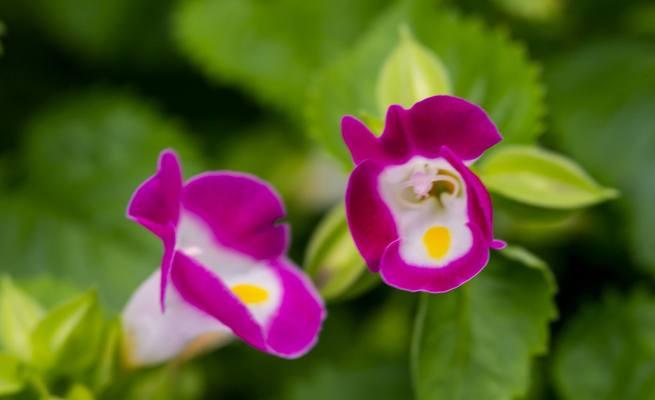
<point x="422" y="130"/>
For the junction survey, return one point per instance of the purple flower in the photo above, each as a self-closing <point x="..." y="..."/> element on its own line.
<point x="417" y="213"/>
<point x="223" y="269"/>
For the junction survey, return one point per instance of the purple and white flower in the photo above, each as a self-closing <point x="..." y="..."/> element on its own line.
<point x="223" y="269"/>
<point x="417" y="213"/>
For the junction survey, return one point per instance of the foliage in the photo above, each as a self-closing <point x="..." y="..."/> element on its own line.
<point x="478" y="342"/>
<point x="91" y="92"/>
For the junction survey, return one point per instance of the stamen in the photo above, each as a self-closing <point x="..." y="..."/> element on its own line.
<point x="431" y="182"/>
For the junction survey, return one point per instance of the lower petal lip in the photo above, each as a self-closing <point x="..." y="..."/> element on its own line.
<point x="398" y="273"/>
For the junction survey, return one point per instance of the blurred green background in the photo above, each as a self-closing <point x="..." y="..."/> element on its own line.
<point x="92" y="90"/>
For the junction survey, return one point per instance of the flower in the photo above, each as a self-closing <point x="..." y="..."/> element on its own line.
<point x="417" y="213"/>
<point x="223" y="269"/>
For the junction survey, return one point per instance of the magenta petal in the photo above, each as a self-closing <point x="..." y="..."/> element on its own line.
<point x="361" y="142"/>
<point x="402" y="275"/>
<point x="156" y="205"/>
<point x="201" y="288"/>
<point x="391" y="147"/>
<point x="294" y="330"/>
<point x="421" y="130"/>
<point x="156" y="202"/>
<point x="450" y="121"/>
<point x="369" y="219"/>
<point x="241" y="210"/>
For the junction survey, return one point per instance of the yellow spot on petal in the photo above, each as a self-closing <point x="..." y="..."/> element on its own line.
<point x="437" y="241"/>
<point x="250" y="294"/>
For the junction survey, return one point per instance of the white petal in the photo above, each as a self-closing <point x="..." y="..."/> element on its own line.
<point x="414" y="219"/>
<point x="152" y="337"/>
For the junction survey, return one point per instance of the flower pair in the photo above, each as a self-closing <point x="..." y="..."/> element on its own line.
<point x="416" y="212"/>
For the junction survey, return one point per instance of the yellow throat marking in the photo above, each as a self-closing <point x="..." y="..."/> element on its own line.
<point x="437" y="241"/>
<point x="250" y="294"/>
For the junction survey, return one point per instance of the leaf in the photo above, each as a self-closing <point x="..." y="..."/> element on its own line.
<point x="169" y="382"/>
<point x="382" y="382"/>
<point x="332" y="261"/>
<point x="12" y="379"/>
<point x="67" y="339"/>
<point x="243" y="42"/>
<point x="609" y="128"/>
<point x="607" y="351"/>
<point x="79" y="392"/>
<point x="19" y="314"/>
<point x="108" y="363"/>
<point x="49" y="291"/>
<point x="534" y="10"/>
<point x="84" y="157"/>
<point x="410" y="73"/>
<point x="478" y="341"/>
<point x="484" y="67"/>
<point x="540" y="178"/>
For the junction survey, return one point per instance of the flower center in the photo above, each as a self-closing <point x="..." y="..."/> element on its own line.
<point x="428" y="181"/>
<point x="437" y="241"/>
<point x="250" y="294"/>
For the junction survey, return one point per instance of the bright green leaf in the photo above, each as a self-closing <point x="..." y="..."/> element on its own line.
<point x="248" y="42"/>
<point x="19" y="314"/>
<point x="484" y="67"/>
<point x="67" y="339"/>
<point x="169" y="382"/>
<point x="540" y="178"/>
<point x="609" y="128"/>
<point x="12" y="379"/>
<point x="85" y="155"/>
<point x="79" y="392"/>
<point x="477" y="342"/>
<point x="108" y="363"/>
<point x="607" y="351"/>
<point x="333" y="262"/>
<point x="49" y="291"/>
<point x="410" y="73"/>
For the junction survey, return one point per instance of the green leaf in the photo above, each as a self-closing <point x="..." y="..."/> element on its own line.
<point x="67" y="339"/>
<point x="410" y="73"/>
<point x="333" y="261"/>
<point x="540" y="178"/>
<point x="12" y="379"/>
<point x="19" y="314"/>
<point x="609" y="128"/>
<point x="478" y="341"/>
<point x="243" y="42"/>
<point x="87" y="153"/>
<point x="535" y="10"/>
<point x="484" y="67"/>
<point x="84" y="157"/>
<point x="49" y="291"/>
<point x="108" y="363"/>
<point x="169" y="382"/>
<point x="382" y="382"/>
<point x="607" y="351"/>
<point x="79" y="392"/>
